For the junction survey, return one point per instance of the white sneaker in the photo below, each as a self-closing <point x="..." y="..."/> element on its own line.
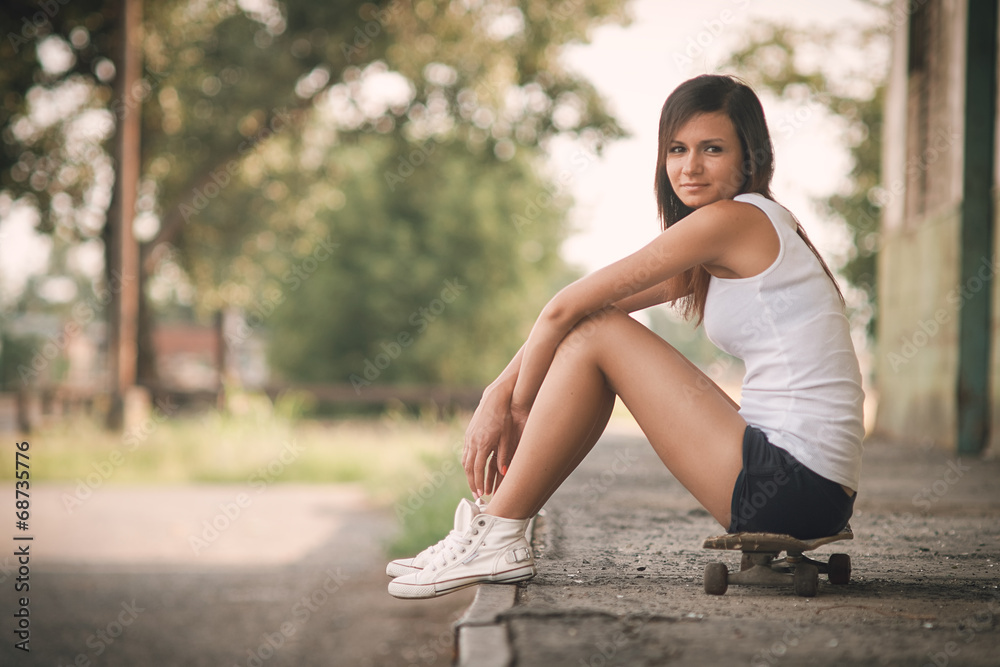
<point x="464" y="514"/>
<point x="491" y="549"/>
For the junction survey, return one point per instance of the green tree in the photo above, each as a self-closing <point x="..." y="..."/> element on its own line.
<point x="222" y="83"/>
<point x="437" y="280"/>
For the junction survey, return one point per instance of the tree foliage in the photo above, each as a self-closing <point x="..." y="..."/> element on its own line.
<point x="447" y="273"/>
<point x="268" y="127"/>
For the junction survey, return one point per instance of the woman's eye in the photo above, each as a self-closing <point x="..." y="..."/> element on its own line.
<point x="714" y="149"/>
<point x="676" y="149"/>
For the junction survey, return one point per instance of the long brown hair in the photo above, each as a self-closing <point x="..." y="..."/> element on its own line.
<point x="709" y="93"/>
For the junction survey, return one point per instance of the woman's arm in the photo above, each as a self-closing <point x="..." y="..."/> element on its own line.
<point x="649" y="297"/>
<point x="492" y="430"/>
<point x="495" y="429"/>
<point x="634" y="283"/>
<point x="706" y="237"/>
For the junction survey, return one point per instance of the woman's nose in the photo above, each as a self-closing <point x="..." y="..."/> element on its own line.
<point x="692" y="165"/>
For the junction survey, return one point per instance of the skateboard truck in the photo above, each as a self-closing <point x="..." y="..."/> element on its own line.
<point x="760" y="565"/>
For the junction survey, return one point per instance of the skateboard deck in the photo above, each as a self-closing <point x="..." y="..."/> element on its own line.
<point x="772" y="541"/>
<point x="761" y="566"/>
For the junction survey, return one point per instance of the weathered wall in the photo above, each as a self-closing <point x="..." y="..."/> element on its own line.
<point x="918" y="332"/>
<point x="918" y="272"/>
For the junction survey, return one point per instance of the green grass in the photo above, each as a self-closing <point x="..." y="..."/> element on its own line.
<point x="409" y="464"/>
<point x="425" y="505"/>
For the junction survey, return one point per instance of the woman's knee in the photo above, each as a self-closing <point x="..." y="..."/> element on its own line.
<point x="592" y="330"/>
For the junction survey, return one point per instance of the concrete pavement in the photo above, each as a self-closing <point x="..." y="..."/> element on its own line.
<point x="621" y="574"/>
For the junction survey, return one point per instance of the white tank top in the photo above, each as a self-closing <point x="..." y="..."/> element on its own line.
<point x="803" y="384"/>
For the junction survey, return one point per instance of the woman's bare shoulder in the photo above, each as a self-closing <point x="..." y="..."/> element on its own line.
<point x="729" y="214"/>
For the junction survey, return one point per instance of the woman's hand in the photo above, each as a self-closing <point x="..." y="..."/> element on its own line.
<point x="494" y="430"/>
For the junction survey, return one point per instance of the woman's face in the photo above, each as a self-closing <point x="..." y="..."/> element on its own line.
<point x="705" y="160"/>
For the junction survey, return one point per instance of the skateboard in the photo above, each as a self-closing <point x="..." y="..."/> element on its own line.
<point x="760" y="565"/>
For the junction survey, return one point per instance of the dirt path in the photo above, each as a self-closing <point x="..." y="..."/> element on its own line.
<point x="295" y="578"/>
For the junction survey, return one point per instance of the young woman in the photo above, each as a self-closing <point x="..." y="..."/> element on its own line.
<point x="787" y="460"/>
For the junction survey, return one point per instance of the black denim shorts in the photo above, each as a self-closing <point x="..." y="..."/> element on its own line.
<point x="775" y="493"/>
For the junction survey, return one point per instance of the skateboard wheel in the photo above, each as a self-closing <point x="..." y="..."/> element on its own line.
<point x="806" y="580"/>
<point x="839" y="569"/>
<point x="716" y="578"/>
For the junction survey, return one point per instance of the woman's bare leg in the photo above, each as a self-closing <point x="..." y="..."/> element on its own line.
<point x="601" y="419"/>
<point x="693" y="426"/>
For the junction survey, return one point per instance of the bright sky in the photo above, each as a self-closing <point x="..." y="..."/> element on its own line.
<point x="635" y="68"/>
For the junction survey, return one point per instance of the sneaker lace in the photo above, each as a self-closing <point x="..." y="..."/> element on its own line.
<point x="452" y="547"/>
<point x="435" y="548"/>
<point x="454" y="534"/>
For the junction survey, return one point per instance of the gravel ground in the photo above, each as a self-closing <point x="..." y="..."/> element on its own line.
<point x="621" y="573"/>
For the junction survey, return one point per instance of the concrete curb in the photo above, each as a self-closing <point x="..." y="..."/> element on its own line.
<point x="480" y="640"/>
